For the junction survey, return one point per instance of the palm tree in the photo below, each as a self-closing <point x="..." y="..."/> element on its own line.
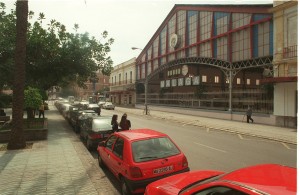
<point x="17" y="140"/>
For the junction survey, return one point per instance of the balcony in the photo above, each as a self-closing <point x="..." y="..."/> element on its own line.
<point x="290" y="52"/>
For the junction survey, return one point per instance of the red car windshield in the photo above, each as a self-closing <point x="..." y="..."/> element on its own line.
<point x="155" y="148"/>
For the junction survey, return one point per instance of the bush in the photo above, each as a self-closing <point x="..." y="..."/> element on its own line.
<point x="5" y="100"/>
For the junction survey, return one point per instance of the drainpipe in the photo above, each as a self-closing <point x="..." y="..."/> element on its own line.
<point x="146" y="93"/>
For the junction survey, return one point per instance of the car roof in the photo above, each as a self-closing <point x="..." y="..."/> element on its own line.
<point x="273" y="179"/>
<point x="102" y="117"/>
<point x="88" y="111"/>
<point x="138" y="134"/>
<point x="91" y="105"/>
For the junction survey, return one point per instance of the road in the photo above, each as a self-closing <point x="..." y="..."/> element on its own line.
<point x="209" y="149"/>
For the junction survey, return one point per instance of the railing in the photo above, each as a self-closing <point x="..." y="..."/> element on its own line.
<point x="290" y="52"/>
<point x="259" y="100"/>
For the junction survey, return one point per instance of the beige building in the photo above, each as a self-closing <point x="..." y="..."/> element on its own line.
<point x="285" y="62"/>
<point x="93" y="86"/>
<point x="122" y="83"/>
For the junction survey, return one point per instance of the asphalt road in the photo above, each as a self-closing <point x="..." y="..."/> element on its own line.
<point x="211" y="149"/>
<point x="216" y="149"/>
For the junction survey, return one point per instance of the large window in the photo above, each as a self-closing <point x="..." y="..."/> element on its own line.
<point x="241" y="45"/>
<point x="149" y="63"/>
<point x="163" y="39"/>
<point x="181" y="23"/>
<point x="192" y="30"/>
<point x="143" y="70"/>
<point x="205" y="33"/>
<point x="205" y="25"/>
<point x="240" y="19"/>
<point x="264" y="39"/>
<point x="222" y="52"/>
<point x="221" y="28"/>
<point x="155" y="53"/>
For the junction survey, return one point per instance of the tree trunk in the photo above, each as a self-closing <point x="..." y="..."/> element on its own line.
<point x="17" y="140"/>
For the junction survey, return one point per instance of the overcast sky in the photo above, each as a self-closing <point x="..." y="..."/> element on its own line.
<point x="130" y="23"/>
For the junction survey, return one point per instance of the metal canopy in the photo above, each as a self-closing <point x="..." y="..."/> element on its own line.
<point x="224" y="65"/>
<point x="229" y="69"/>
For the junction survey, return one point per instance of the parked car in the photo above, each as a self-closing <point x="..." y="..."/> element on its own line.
<point x="108" y="106"/>
<point x="254" y="180"/>
<point x="71" y="110"/>
<point x="95" y="130"/>
<point x="139" y="157"/>
<point x="83" y="115"/>
<point x="94" y="107"/>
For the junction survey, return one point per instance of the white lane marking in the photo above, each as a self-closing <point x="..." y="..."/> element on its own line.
<point x="240" y="136"/>
<point x="210" y="147"/>
<point x="285" y="145"/>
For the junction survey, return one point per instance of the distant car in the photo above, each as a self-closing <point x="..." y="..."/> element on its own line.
<point x="108" y="106"/>
<point x="139" y="157"/>
<point x="83" y="104"/>
<point x="100" y="103"/>
<point x="94" y="107"/>
<point x="95" y="129"/>
<point x="254" y="180"/>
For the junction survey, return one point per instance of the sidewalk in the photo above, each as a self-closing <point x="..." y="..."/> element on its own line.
<point x="59" y="165"/>
<point x="285" y="135"/>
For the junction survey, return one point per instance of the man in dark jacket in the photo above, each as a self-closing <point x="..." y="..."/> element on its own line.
<point x="249" y="114"/>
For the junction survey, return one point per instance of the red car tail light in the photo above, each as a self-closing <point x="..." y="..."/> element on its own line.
<point x="96" y="136"/>
<point x="135" y="172"/>
<point x="185" y="162"/>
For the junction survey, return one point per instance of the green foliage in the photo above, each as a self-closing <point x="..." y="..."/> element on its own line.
<point x="5" y="100"/>
<point x="55" y="57"/>
<point x="32" y="98"/>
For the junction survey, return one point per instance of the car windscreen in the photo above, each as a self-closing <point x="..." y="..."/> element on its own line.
<point x="101" y="125"/>
<point x="154" y="148"/>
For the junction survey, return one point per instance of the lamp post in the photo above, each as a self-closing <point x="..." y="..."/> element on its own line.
<point x="146" y="84"/>
<point x="135" y="48"/>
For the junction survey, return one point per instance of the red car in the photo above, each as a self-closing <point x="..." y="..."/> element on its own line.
<point x="262" y="179"/>
<point x="139" y="157"/>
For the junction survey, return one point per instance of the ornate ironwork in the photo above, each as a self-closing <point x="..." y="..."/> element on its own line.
<point x="226" y="66"/>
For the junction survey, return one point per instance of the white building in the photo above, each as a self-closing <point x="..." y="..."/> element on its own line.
<point x="122" y="83"/>
<point x="285" y="62"/>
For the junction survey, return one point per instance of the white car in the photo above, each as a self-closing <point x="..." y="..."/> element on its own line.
<point x="101" y="103"/>
<point x="108" y="106"/>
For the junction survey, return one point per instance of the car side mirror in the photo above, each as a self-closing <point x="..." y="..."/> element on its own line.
<point x="101" y="143"/>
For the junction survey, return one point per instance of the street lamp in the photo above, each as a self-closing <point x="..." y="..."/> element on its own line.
<point x="135" y="48"/>
<point x="146" y="84"/>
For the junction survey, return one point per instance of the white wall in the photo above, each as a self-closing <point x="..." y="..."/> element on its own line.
<point x="285" y="99"/>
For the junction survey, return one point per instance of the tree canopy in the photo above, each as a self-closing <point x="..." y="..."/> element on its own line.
<point x="55" y="57"/>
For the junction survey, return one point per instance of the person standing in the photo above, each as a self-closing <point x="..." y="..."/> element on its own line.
<point x="42" y="110"/>
<point x="114" y="123"/>
<point x="125" y="124"/>
<point x="249" y="114"/>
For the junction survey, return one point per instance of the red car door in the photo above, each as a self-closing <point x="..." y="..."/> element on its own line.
<point x="116" y="157"/>
<point x="106" y="151"/>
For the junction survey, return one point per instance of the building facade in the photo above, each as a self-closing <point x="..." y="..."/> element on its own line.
<point x="94" y="85"/>
<point x="122" y="83"/>
<point x="210" y="57"/>
<point x="285" y="62"/>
